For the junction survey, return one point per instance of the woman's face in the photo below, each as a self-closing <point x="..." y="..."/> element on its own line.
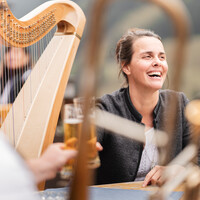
<point x="16" y="58"/>
<point x="148" y="67"/>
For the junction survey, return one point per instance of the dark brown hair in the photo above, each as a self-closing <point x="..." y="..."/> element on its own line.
<point x="124" y="49"/>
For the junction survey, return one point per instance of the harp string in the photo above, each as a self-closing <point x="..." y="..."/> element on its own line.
<point x="14" y="74"/>
<point x="2" y="53"/>
<point x="33" y="133"/>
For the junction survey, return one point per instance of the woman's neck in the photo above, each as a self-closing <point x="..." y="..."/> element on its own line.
<point x="145" y="103"/>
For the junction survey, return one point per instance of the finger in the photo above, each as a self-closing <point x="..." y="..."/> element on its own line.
<point x="70" y="154"/>
<point x="59" y="144"/>
<point x="160" y="181"/>
<point x="148" y="177"/>
<point x="98" y="146"/>
<point x="155" y="178"/>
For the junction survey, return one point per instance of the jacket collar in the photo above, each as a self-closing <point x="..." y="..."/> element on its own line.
<point x="133" y="110"/>
<point x="131" y="107"/>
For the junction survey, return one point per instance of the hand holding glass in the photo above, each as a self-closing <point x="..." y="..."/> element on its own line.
<point x="73" y="118"/>
<point x="93" y="157"/>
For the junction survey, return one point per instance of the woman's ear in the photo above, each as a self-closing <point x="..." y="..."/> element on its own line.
<point x="126" y="69"/>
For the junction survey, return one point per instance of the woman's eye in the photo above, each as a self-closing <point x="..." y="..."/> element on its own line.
<point x="147" y="56"/>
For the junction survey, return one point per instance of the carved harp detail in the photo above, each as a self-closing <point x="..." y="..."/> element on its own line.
<point x="31" y="122"/>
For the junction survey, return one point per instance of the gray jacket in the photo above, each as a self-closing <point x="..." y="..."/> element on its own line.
<point x="121" y="156"/>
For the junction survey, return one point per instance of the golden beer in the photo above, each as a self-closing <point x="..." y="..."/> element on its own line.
<point x="4" y="109"/>
<point x="72" y="129"/>
<point x="93" y="156"/>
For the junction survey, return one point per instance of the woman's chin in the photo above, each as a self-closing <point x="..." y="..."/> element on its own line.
<point x="156" y="87"/>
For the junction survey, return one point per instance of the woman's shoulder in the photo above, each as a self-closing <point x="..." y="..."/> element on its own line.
<point x="166" y="94"/>
<point x="113" y="99"/>
<point x="114" y="95"/>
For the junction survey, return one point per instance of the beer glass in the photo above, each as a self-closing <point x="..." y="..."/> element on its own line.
<point x="72" y="129"/>
<point x="93" y="157"/>
<point x="4" y="109"/>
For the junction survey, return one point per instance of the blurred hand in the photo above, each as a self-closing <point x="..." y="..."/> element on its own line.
<point x="50" y="162"/>
<point x="99" y="147"/>
<point x="157" y="176"/>
<point x="154" y="176"/>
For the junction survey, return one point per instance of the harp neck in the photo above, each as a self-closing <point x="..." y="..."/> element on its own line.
<point x="34" y="26"/>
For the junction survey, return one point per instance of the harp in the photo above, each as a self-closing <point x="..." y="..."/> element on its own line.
<point x="31" y="121"/>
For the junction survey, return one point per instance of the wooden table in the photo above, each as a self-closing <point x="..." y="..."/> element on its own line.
<point x="135" y="186"/>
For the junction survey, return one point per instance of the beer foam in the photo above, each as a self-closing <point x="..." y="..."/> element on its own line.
<point x="73" y="121"/>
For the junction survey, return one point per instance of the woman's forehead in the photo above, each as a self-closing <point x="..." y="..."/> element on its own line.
<point x="148" y="44"/>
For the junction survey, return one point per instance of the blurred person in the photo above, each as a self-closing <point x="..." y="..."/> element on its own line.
<point x="15" y="68"/>
<point x="143" y="63"/>
<point x="19" y="178"/>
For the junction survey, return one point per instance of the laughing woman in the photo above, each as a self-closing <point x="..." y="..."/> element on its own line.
<point x="143" y="63"/>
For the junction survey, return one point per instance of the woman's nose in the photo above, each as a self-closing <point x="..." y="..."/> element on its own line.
<point x="156" y="62"/>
